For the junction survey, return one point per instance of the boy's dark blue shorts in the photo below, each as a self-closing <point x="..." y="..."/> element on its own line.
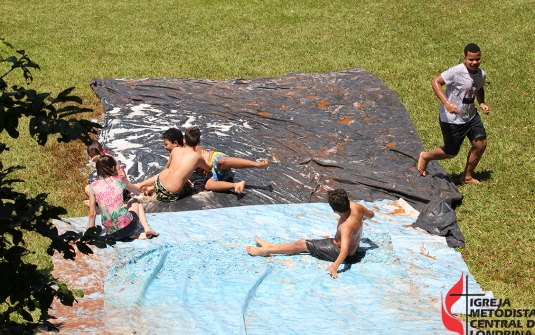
<point x="454" y="134"/>
<point x="326" y="250"/>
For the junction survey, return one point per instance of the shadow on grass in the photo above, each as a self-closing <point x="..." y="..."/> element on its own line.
<point x="482" y="176"/>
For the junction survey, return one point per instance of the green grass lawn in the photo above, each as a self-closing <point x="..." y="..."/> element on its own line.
<point x="405" y="43"/>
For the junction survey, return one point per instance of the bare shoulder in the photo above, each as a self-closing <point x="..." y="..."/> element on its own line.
<point x="177" y="154"/>
<point x="206" y="151"/>
<point x="361" y="211"/>
<point x="193" y="156"/>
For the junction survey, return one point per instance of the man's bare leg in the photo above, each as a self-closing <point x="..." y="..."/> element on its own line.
<point x="285" y="249"/>
<point x="474" y="155"/>
<point x="225" y="163"/>
<point x="428" y="156"/>
<point x="223" y="186"/>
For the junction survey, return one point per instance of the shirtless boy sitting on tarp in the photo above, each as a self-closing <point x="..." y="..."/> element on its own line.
<point x="173" y="182"/>
<point x="340" y="249"/>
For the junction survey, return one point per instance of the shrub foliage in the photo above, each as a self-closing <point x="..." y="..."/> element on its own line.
<point x="23" y="287"/>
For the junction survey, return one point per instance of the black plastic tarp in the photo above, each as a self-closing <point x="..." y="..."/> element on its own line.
<point x="320" y="131"/>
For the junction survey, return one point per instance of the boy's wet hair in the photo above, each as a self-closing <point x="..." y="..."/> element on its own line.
<point x="106" y="166"/>
<point x="192" y="136"/>
<point x="95" y="149"/>
<point x="338" y="200"/>
<point x="173" y="135"/>
<point x="471" y="47"/>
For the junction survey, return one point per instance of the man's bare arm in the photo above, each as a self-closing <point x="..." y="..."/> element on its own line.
<point x="480" y="95"/>
<point x="437" y="84"/>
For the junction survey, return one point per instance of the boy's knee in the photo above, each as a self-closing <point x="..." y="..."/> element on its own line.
<point x="449" y="151"/>
<point x="209" y="186"/>
<point x="222" y="163"/>
<point x="302" y="243"/>
<point x="479" y="143"/>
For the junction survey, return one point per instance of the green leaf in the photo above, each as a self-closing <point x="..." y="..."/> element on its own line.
<point x="17" y="237"/>
<point x="93" y="232"/>
<point x="3" y="148"/>
<point x="79" y="293"/>
<point x="65" y="295"/>
<point x="2" y="117"/>
<point x="25" y="315"/>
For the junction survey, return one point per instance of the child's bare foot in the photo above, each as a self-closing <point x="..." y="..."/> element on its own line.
<point x="422" y="164"/>
<point x="464" y="181"/>
<point x="238" y="187"/>
<point x="261" y="242"/>
<point x="255" y="251"/>
<point x="137" y="236"/>
<point x="151" y="233"/>
<point x="263" y="164"/>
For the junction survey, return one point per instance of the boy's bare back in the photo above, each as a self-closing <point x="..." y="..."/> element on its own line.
<point x="206" y="154"/>
<point x="180" y="166"/>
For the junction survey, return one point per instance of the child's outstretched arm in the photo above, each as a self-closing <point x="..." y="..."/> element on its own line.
<point x="132" y="188"/>
<point x="367" y="213"/>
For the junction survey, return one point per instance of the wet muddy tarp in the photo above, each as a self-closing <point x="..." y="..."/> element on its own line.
<point x="196" y="277"/>
<point x="320" y="131"/>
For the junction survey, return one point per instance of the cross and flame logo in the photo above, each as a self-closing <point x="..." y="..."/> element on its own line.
<point x="451" y="322"/>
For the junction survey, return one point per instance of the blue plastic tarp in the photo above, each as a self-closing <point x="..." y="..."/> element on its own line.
<point x="196" y="277"/>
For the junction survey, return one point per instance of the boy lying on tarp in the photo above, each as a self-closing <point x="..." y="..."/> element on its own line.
<point x="340" y="249"/>
<point x="221" y="165"/>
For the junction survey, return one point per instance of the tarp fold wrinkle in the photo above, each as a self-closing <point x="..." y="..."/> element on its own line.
<point x="250" y="295"/>
<point x="438" y="217"/>
<point x="320" y="131"/>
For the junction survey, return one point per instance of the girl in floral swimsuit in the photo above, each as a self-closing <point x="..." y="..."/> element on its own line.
<point x="119" y="222"/>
